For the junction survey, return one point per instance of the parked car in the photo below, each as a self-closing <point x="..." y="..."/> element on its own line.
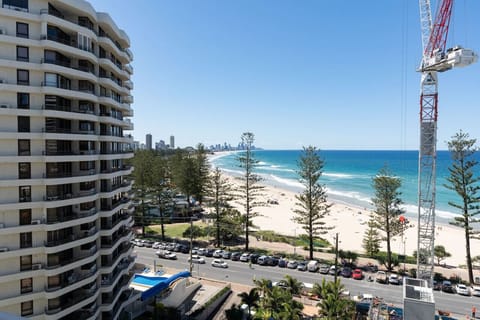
<point x="170" y="246"/>
<point x="292" y="264"/>
<point x="165" y="254"/>
<point x="273" y="261"/>
<point x="357" y="274"/>
<point x="262" y="260"/>
<point x="333" y="270"/>
<point x="324" y="268"/>
<point x="381" y="277"/>
<point x="447" y="287"/>
<point x="209" y="252"/>
<point x="235" y="256"/>
<point x="346" y="272"/>
<point x="147" y="243"/>
<point x="394" y="279"/>
<point x="254" y="257"/>
<point x="196" y="259"/>
<point x="195" y="250"/>
<point x="244" y="257"/>
<point x="226" y="255"/>
<point x="218" y="253"/>
<point x="313" y="266"/>
<point x="156" y="245"/>
<point x="476" y="291"/>
<point x="302" y="266"/>
<point x="282" y="263"/>
<point x="219" y="263"/>
<point x="462" y="289"/>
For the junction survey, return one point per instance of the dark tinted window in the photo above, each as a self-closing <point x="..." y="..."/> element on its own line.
<point x="23" y="100"/>
<point x="23" y="77"/>
<point x="22" y="30"/>
<point x="23" y="124"/>
<point x="22" y="53"/>
<point x="24" y="170"/>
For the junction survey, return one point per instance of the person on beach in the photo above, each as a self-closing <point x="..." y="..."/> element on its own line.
<point x="474" y="311"/>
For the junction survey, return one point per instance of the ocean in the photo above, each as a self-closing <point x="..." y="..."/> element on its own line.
<point x="348" y="175"/>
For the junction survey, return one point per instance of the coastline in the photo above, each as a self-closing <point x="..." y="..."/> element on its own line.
<point x="349" y="221"/>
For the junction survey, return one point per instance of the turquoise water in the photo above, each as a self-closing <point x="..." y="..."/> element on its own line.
<point x="348" y="175"/>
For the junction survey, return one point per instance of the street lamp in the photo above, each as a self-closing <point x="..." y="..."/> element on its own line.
<point x="336" y="258"/>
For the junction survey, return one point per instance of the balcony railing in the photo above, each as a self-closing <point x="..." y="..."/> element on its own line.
<point x="79" y="257"/>
<point x="72" y="279"/>
<point x="71" y="238"/>
<point x="112" y="277"/>
<point x="76" y="296"/>
<point x="52" y="219"/>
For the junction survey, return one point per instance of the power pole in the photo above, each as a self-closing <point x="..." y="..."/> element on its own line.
<point x="191" y="244"/>
<point x="336" y="258"/>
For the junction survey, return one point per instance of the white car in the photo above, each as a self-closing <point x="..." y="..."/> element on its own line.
<point x="166" y="254"/>
<point x="219" y="263"/>
<point x="394" y="279"/>
<point x="197" y="259"/>
<point x="244" y="257"/>
<point x="462" y="289"/>
<point x="476" y="291"/>
<point x="218" y="253"/>
<point x="156" y="245"/>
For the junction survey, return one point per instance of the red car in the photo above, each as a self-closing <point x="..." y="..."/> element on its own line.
<point x="357" y="274"/>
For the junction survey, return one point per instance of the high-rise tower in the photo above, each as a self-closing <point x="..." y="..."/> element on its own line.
<point x="65" y="221"/>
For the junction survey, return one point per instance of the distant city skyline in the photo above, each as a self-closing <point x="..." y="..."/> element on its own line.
<point x="337" y="75"/>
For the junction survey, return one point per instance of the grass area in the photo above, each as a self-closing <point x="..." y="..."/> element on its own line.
<point x="300" y="241"/>
<point x="174" y="230"/>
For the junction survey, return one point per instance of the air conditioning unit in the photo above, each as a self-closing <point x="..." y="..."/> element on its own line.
<point x="4" y="105"/>
<point x="37" y="221"/>
<point x="4" y="249"/>
<point x="36" y="266"/>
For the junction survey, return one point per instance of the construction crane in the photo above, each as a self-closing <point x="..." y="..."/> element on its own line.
<point x="436" y="58"/>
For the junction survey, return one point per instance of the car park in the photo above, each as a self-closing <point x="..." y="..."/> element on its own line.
<point x="357" y="274"/>
<point x="346" y="272"/>
<point x="226" y="255"/>
<point x="447" y="287"/>
<point x="201" y="251"/>
<point x="394" y="279"/>
<point x="219" y="263"/>
<point x="235" y="256"/>
<point x="292" y="264"/>
<point x="245" y="257"/>
<point x="302" y="266"/>
<point x="462" y="289"/>
<point x="324" y="268"/>
<point x="197" y="259"/>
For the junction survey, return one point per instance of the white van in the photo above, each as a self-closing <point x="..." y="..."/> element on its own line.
<point x="313" y="266"/>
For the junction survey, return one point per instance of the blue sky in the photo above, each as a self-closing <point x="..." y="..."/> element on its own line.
<point x="333" y="74"/>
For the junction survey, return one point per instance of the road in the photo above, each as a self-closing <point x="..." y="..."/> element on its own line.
<point x="240" y="272"/>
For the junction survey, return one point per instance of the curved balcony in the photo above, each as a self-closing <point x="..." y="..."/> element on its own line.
<point x="77" y="298"/>
<point x="79" y="260"/>
<point x="82" y="234"/>
<point x="74" y="281"/>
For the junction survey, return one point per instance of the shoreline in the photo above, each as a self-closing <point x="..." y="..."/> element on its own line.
<point x="350" y="222"/>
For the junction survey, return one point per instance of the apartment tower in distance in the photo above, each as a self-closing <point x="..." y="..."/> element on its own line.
<point x="172" y="142"/>
<point x="148" y="141"/>
<point x="65" y="220"/>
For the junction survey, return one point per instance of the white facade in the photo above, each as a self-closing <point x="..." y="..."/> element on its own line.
<point x="65" y="218"/>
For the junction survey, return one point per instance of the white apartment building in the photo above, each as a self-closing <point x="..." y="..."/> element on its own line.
<point x="65" y="223"/>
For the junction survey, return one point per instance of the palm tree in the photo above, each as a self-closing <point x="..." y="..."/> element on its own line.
<point x="250" y="299"/>
<point x="294" y="286"/>
<point x="333" y="306"/>
<point x="292" y="310"/>
<point x="234" y="313"/>
<point x="264" y="286"/>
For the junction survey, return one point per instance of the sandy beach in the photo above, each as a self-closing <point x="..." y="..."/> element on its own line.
<point x="351" y="222"/>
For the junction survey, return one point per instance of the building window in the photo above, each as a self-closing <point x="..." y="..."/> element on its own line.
<point x="22" y="30"/>
<point x="19" y="5"/>
<point x="25" y="240"/>
<point x="27" y="308"/>
<point x="23" y="124"/>
<point x="87" y="185"/>
<point x="26" y="285"/>
<point x="87" y="165"/>
<point x="23" y="100"/>
<point x="22" y="53"/>
<point x="25" y="193"/>
<point x="23" y="77"/>
<point x="25" y="216"/>
<point x="23" y="147"/>
<point x="24" y="170"/>
<point x="25" y="263"/>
